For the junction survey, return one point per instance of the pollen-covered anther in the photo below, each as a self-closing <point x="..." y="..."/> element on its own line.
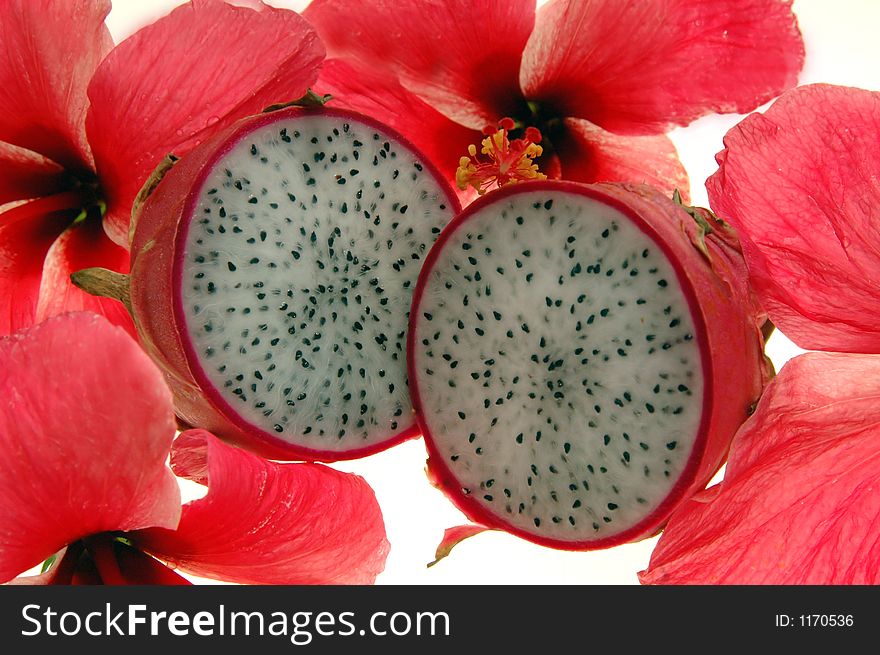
<point x="504" y="161"/>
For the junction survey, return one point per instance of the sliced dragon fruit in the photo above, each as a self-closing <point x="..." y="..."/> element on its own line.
<point x="272" y="275"/>
<point x="580" y="358"/>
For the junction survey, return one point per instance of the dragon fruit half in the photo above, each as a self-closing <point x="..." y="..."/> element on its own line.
<point x="272" y="270"/>
<point x="580" y="357"/>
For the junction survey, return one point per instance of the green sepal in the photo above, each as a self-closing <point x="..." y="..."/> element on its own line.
<point x="48" y="563"/>
<point x="704" y="228"/>
<point x="309" y="100"/>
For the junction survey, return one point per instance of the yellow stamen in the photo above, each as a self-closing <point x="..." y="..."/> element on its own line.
<point x="506" y="162"/>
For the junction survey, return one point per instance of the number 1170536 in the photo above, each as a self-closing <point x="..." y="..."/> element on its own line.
<point x="815" y="620"/>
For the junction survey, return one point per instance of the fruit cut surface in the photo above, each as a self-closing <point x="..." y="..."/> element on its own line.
<point x="558" y="366"/>
<point x="296" y="264"/>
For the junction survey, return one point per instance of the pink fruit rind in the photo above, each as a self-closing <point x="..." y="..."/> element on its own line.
<point x="156" y="304"/>
<point x="726" y="317"/>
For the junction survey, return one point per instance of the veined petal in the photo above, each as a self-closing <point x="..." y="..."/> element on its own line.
<point x="799" y="502"/>
<point x="460" y="56"/>
<point x="588" y="153"/>
<point x="643" y="67"/>
<point x="27" y="175"/>
<point x="268" y="523"/>
<point x="175" y="82"/>
<point x="85" y="427"/>
<point x="50" y="49"/>
<point x="800" y="184"/>
<point x="372" y="92"/>
<point x="80" y="246"/>
<point x="27" y="231"/>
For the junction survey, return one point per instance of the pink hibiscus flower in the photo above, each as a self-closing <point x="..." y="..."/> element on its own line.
<point x="85" y="431"/>
<point x="82" y="125"/>
<point x="602" y="80"/>
<point x="799" y="503"/>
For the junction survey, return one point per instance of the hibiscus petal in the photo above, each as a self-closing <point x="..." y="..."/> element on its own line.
<point x="799" y="502"/>
<point x="590" y="154"/>
<point x="27" y="175"/>
<point x="85" y="428"/>
<point x="460" y="56"/>
<point x="263" y="522"/>
<point x="800" y="185"/>
<point x="186" y="76"/>
<point x="82" y="245"/>
<point x="50" y="49"/>
<point x="643" y="67"/>
<point x="371" y="92"/>
<point x="27" y="231"/>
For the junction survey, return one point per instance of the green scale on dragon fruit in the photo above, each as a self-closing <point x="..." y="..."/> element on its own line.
<point x="570" y="360"/>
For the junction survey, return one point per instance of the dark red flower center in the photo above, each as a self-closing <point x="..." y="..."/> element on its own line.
<point x="86" y="195"/>
<point x="109" y="559"/>
<point x="549" y="122"/>
<point x="546" y="119"/>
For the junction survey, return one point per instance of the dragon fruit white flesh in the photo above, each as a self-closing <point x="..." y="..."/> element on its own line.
<point x="580" y="357"/>
<point x="272" y="274"/>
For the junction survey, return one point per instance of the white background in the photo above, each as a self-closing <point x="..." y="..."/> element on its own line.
<point x="843" y="47"/>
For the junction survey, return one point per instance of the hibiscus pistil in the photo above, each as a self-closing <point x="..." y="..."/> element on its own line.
<point x="505" y="161"/>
